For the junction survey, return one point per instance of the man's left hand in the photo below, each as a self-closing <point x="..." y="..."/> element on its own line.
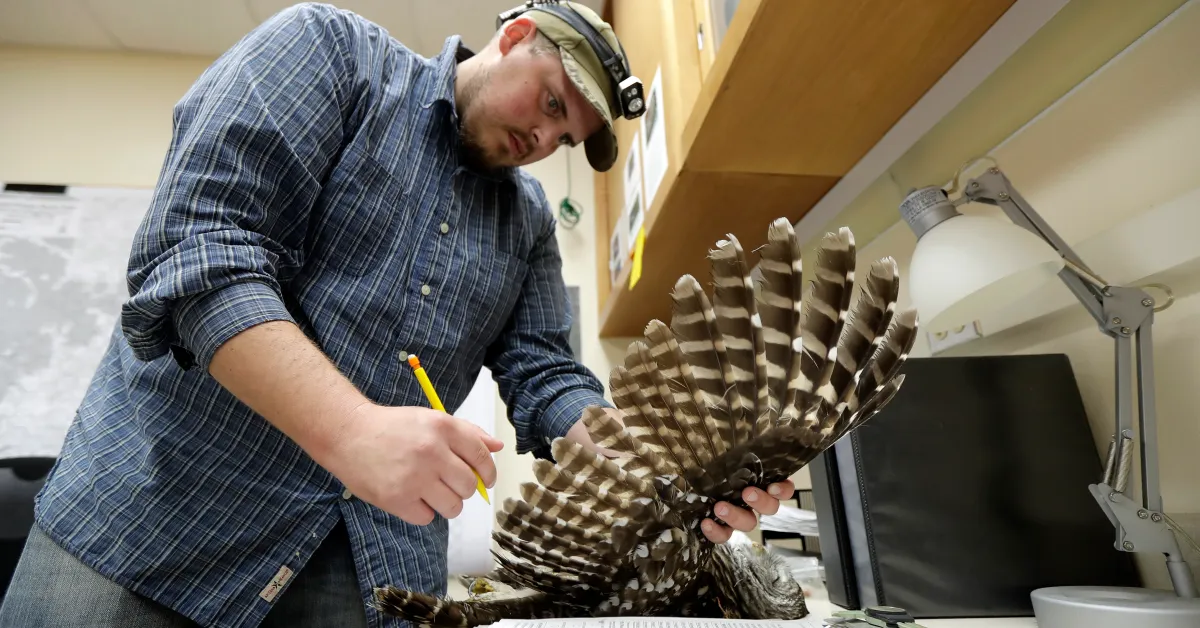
<point x="760" y="501"/>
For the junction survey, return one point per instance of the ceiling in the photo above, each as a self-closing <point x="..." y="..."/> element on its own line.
<point x="208" y="27"/>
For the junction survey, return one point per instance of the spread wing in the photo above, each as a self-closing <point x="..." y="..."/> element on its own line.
<point x="743" y="388"/>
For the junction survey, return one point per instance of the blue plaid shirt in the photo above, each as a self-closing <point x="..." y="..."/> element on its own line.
<point x="314" y="177"/>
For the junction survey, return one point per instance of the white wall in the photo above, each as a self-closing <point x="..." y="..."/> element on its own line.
<point x="1119" y="151"/>
<point x="87" y="118"/>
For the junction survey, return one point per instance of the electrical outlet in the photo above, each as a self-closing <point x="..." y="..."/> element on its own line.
<point x="942" y="340"/>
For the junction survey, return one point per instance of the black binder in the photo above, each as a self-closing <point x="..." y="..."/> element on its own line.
<point x="967" y="492"/>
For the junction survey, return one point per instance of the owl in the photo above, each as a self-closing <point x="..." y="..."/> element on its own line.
<point x="743" y="388"/>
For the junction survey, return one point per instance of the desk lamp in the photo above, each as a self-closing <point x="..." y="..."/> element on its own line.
<point x="964" y="266"/>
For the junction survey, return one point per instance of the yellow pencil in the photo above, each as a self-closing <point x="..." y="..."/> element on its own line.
<point x="434" y="401"/>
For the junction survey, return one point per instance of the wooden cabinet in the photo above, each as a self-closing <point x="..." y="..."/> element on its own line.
<point x="763" y="113"/>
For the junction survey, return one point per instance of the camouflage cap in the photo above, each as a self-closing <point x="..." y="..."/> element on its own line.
<point x="587" y="74"/>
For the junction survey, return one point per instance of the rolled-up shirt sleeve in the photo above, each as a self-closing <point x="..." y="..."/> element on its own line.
<point x="252" y="140"/>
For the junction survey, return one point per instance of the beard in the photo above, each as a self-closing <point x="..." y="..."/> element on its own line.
<point x="471" y="148"/>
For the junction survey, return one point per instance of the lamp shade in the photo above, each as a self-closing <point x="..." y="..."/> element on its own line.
<point x="968" y="266"/>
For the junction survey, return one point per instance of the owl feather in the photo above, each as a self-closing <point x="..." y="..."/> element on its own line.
<point x="743" y="388"/>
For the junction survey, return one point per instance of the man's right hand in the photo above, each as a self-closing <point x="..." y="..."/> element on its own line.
<point x="412" y="461"/>
<point x="407" y="461"/>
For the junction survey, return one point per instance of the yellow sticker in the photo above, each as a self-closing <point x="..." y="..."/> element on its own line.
<point x="636" y="272"/>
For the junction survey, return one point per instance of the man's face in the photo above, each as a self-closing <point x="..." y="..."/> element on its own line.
<point x="523" y="106"/>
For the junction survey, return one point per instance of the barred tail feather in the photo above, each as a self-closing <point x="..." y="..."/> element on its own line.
<point x="689" y="409"/>
<point x="865" y="323"/>
<point x="639" y="418"/>
<point x="779" y="303"/>
<point x="824" y="314"/>
<point x="694" y="325"/>
<point x="609" y="433"/>
<point x="887" y="359"/>
<point x="737" y="317"/>
<point x="534" y="525"/>
<point x="673" y="421"/>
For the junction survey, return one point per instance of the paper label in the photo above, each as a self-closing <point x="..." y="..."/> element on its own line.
<point x="276" y="584"/>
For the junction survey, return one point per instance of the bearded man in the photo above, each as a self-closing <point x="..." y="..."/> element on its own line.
<point x="251" y="450"/>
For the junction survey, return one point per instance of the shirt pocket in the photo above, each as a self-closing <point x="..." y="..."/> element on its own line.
<point x="361" y="210"/>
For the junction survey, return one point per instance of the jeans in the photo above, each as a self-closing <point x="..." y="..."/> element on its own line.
<point x="53" y="588"/>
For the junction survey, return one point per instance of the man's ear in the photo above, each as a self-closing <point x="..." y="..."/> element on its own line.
<point x="514" y="32"/>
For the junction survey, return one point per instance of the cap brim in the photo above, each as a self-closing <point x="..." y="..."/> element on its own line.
<point x="601" y="147"/>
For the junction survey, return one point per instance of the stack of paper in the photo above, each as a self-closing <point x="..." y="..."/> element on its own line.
<point x="791" y="520"/>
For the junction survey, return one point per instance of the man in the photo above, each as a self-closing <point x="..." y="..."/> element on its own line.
<point x="252" y="448"/>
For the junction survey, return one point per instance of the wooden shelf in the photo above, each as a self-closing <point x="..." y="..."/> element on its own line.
<point x="797" y="92"/>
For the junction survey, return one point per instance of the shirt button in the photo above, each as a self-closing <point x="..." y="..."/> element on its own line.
<point x="346" y="494"/>
<point x="445" y="228"/>
<point x="425" y="290"/>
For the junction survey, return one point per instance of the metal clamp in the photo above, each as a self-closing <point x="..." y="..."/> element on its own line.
<point x="1144" y="530"/>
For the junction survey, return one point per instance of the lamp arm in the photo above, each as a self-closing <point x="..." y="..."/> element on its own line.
<point x="993" y="188"/>
<point x="1123" y="313"/>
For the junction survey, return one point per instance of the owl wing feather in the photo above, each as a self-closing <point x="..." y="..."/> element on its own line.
<point x="741" y="389"/>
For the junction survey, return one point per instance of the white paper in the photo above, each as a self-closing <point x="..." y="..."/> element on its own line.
<point x="469" y="550"/>
<point x="616" y="252"/>
<point x="633" y="167"/>
<point x="634" y="212"/>
<point x="654" y="139"/>
<point x="792" y="520"/>
<point x="635" y="216"/>
<point x="812" y="621"/>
